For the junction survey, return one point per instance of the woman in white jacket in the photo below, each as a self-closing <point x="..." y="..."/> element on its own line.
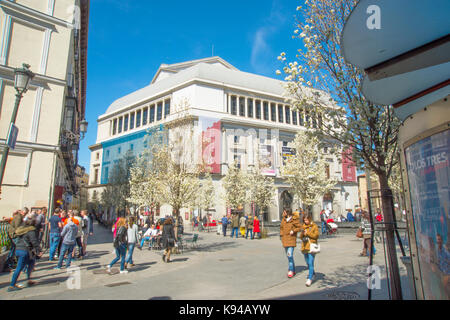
<point x="133" y="239"/>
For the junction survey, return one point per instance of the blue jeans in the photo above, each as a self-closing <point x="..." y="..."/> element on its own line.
<point x="66" y="248"/>
<point x="143" y="240"/>
<point x="324" y="227"/>
<point x="309" y="258"/>
<point x="224" y="230"/>
<point x="290" y="256"/>
<point x="54" y="241"/>
<point x="23" y="260"/>
<point x="237" y="231"/>
<point x="129" y="258"/>
<point x="121" y="251"/>
<point x="251" y="233"/>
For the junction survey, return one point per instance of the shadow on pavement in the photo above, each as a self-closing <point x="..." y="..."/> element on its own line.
<point x="179" y="259"/>
<point x="141" y="266"/>
<point x="51" y="281"/>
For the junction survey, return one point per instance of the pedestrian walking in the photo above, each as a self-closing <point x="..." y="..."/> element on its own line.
<point x="133" y="239"/>
<point x="68" y="236"/>
<point x="249" y="227"/>
<point x="168" y="238"/>
<point x="85" y="230"/>
<point x="224" y="225"/>
<point x="289" y="228"/>
<point x="367" y="234"/>
<point x="309" y="235"/>
<point x="256" y="228"/>
<point x="56" y="226"/>
<point x="77" y="219"/>
<point x="41" y="222"/>
<point x="64" y="216"/>
<point x="235" y="225"/>
<point x="120" y="245"/>
<point x="242" y="223"/>
<point x="27" y="249"/>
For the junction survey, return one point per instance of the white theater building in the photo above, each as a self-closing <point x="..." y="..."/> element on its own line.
<point x="245" y="115"/>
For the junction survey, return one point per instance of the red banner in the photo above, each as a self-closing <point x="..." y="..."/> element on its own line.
<point x="348" y="166"/>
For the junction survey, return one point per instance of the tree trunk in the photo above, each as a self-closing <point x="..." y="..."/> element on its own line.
<point x="388" y="211"/>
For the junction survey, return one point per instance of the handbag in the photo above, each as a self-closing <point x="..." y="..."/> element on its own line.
<point x="314" y="247"/>
<point x="359" y="233"/>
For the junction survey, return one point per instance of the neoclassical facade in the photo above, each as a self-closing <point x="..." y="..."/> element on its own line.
<point x="229" y="116"/>
<point x="50" y="36"/>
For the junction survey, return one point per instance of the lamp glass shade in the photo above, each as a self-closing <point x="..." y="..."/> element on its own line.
<point x="21" y="81"/>
<point x="83" y="126"/>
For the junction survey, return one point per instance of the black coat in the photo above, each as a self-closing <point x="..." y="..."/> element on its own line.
<point x="29" y="242"/>
<point x="168" y="233"/>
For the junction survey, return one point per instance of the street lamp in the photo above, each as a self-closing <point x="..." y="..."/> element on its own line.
<point x="22" y="78"/>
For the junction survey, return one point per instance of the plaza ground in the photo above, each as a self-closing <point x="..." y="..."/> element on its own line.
<point x="220" y="268"/>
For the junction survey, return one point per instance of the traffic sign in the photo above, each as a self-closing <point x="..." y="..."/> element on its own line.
<point x="12" y="136"/>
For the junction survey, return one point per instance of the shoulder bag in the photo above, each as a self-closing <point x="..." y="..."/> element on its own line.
<point x="314" y="247"/>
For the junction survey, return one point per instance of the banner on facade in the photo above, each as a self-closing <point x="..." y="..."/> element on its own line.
<point x="348" y="166"/>
<point x="429" y="178"/>
<point x="266" y="160"/>
<point x="286" y="153"/>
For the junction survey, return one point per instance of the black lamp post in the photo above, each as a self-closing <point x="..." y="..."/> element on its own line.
<point x="22" y="78"/>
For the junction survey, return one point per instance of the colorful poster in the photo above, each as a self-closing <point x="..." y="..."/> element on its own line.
<point x="429" y="177"/>
<point x="348" y="166"/>
<point x="211" y="139"/>
<point x="266" y="160"/>
<point x="286" y="153"/>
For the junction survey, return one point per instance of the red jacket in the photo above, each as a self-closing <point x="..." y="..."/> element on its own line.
<point x="256" y="226"/>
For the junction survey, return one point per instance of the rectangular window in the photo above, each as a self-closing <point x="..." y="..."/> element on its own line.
<point x="119" y="150"/>
<point x="294" y="117"/>
<point x="280" y="113"/>
<point x="166" y="108"/>
<point x="107" y="154"/>
<point x="233" y="105"/>
<point x="96" y="176"/>
<point x="307" y="117"/>
<point x="138" y="119"/>
<point x="125" y="123"/>
<point x="250" y="108"/>
<point x="132" y="121"/>
<point x="258" y="109"/>
<point x="327" y="171"/>
<point x="152" y="113"/>
<point x="314" y="120"/>
<point x="273" y="112"/>
<point x="145" y="116"/>
<point x="120" y="125"/>
<point x="97" y="156"/>
<point x="159" y="111"/>
<point x="106" y="174"/>
<point x="320" y="121"/>
<point x="236" y="139"/>
<point x="242" y="106"/>
<point x="300" y="118"/>
<point x="285" y="143"/>
<point x="131" y="146"/>
<point x="266" y="110"/>
<point x="287" y="111"/>
<point x="114" y="126"/>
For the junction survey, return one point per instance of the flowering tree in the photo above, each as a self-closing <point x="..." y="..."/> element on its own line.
<point x="306" y="171"/>
<point x="205" y="198"/>
<point x="262" y="190"/>
<point x="320" y="78"/>
<point x="236" y="183"/>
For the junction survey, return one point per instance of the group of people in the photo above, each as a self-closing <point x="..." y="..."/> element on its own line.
<point x="247" y="224"/>
<point x="126" y="235"/>
<point x="294" y="226"/>
<point x="26" y="230"/>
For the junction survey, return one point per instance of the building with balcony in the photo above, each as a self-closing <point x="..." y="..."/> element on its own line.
<point x="51" y="36"/>
<point x="228" y="115"/>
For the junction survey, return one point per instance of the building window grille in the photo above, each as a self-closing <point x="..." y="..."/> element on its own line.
<point x="273" y="111"/>
<point x="307" y="117"/>
<point x="242" y="106"/>
<point x="144" y="116"/>
<point x="152" y="114"/>
<point x="138" y="119"/>
<point x="294" y="117"/>
<point x="166" y="108"/>
<point x="266" y="110"/>
<point x="258" y="109"/>
<point x="280" y="113"/>
<point x="96" y="176"/>
<point x="288" y="114"/>
<point x="250" y="108"/>
<point x="300" y="117"/>
<point x="114" y="126"/>
<point x="159" y="112"/>
<point x="132" y="121"/>
<point x="120" y="125"/>
<point x="233" y="105"/>
<point x="125" y="123"/>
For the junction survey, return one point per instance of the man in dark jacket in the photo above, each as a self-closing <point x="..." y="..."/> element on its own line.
<point x="27" y="249"/>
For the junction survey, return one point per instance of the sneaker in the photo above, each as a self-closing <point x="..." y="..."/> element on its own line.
<point x="132" y="264"/>
<point x="308" y="282"/>
<point x="108" y="268"/>
<point x="140" y="248"/>
<point x="57" y="268"/>
<point x="16" y="288"/>
<point x="123" y="271"/>
<point x="290" y="274"/>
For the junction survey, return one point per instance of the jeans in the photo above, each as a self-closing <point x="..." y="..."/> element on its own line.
<point x="54" y="241"/>
<point x="23" y="260"/>
<point x="129" y="258"/>
<point x="290" y="256"/>
<point x="235" y="230"/>
<point x="143" y="240"/>
<point x="309" y="258"/>
<point x="121" y="251"/>
<point x="254" y="235"/>
<point x="251" y="233"/>
<point x="324" y="227"/>
<point x="66" y="248"/>
<point x="224" y="230"/>
<point x="80" y="246"/>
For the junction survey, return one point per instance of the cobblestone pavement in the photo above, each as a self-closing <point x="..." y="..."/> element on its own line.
<point x="220" y="268"/>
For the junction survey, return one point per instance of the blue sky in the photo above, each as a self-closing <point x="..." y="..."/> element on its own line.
<point x="128" y="40"/>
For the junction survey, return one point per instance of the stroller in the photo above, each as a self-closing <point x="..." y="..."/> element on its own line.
<point x="331" y="226"/>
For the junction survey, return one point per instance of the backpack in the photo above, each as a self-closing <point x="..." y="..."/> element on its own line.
<point x="121" y="237"/>
<point x="84" y="223"/>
